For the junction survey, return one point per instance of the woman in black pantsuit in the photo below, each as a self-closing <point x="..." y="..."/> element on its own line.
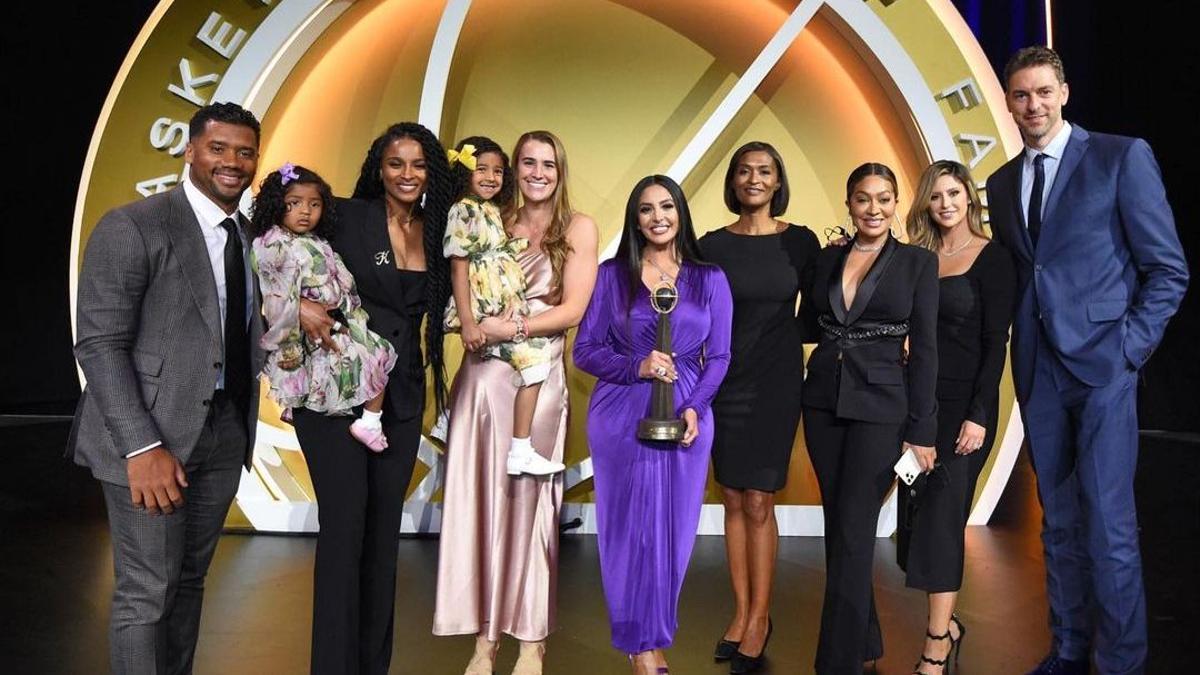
<point x="977" y="282"/>
<point x="393" y="247"/>
<point x="757" y="409"/>
<point x="865" y="399"/>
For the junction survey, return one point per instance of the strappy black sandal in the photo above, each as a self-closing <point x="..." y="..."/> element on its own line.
<point x="956" y="645"/>
<point x="934" y="662"/>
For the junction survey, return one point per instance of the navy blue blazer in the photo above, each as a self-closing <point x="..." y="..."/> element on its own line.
<point x="1108" y="270"/>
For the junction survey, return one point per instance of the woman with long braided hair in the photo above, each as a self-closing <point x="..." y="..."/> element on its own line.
<point x="498" y="565"/>
<point x="390" y="238"/>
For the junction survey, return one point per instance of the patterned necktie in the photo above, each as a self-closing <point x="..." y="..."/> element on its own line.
<point x="237" y="347"/>
<point x="1033" y="219"/>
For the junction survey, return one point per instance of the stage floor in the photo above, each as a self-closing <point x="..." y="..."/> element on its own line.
<point x="56" y="579"/>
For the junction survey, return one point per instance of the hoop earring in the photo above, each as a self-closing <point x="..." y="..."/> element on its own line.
<point x="895" y="226"/>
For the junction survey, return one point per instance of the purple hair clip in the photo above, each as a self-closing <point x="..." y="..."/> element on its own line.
<point x="287" y="173"/>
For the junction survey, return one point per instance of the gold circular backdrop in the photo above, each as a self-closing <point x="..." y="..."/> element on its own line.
<point x="633" y="87"/>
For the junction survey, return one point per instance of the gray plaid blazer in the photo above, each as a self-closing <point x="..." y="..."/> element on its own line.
<point x="148" y="336"/>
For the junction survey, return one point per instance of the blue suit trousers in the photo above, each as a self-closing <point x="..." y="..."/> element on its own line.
<point x="1083" y="442"/>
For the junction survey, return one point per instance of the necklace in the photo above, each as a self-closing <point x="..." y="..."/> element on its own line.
<point x="867" y="249"/>
<point x="402" y="250"/>
<point x="662" y="274"/>
<point x="956" y="250"/>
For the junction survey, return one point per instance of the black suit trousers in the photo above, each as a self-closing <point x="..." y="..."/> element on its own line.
<point x="360" y="501"/>
<point x="853" y="461"/>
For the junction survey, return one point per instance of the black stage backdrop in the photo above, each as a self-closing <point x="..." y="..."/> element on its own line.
<point x="1126" y="67"/>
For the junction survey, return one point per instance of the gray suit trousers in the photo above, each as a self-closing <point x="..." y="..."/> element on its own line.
<point x="160" y="560"/>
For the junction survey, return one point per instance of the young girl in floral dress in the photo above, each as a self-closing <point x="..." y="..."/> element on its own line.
<point x="293" y="260"/>
<point x="488" y="281"/>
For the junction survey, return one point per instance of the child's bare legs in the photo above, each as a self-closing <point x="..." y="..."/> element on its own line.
<point x="368" y="428"/>
<point x="522" y="458"/>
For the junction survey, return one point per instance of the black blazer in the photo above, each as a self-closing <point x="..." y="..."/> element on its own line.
<point x="867" y="379"/>
<point x="389" y="296"/>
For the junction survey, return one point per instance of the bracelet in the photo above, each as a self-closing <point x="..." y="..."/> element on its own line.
<point x="522" y="329"/>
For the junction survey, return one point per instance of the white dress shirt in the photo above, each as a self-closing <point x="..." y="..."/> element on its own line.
<point x="1054" y="153"/>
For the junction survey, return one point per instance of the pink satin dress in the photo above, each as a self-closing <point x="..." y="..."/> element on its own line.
<point x="498" y="558"/>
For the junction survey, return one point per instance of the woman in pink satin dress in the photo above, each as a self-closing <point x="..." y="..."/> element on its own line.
<point x="498" y="559"/>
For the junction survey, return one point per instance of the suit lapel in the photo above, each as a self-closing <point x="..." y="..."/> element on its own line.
<point x="870" y="282"/>
<point x="256" y="317"/>
<point x="1072" y="154"/>
<point x="837" y="302"/>
<point x="188" y="241"/>
<point x="375" y="237"/>
<point x="1012" y="175"/>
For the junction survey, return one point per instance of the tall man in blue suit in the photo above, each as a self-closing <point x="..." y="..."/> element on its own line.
<point x="1100" y="271"/>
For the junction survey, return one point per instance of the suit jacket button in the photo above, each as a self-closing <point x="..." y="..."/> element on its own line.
<point x="217" y="365"/>
<point x="205" y="402"/>
<point x="396" y="333"/>
<point x="1037" y="268"/>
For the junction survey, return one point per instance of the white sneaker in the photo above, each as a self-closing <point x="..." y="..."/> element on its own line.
<point x="530" y="462"/>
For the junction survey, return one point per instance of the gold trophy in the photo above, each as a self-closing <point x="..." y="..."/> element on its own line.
<point x="662" y="424"/>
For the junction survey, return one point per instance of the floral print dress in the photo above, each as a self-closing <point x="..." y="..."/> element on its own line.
<point x="475" y="231"/>
<point x="290" y="267"/>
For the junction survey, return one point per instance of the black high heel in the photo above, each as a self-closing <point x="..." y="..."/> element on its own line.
<point x="956" y="645"/>
<point x="742" y="663"/>
<point x="934" y="662"/>
<point x="725" y="650"/>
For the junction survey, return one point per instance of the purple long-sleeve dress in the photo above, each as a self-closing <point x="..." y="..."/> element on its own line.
<point x="648" y="494"/>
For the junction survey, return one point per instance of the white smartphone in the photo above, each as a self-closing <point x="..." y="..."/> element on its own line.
<point x="908" y="468"/>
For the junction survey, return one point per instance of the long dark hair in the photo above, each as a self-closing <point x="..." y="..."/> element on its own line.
<point x="629" y="251"/>
<point x="269" y="206"/>
<point x="439" y="195"/>
<point x="462" y="175"/>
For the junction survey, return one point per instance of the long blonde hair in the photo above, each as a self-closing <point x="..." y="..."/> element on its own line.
<point x="554" y="241"/>
<point x="921" y="229"/>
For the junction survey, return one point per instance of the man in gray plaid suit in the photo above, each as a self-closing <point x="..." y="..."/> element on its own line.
<point x="168" y="328"/>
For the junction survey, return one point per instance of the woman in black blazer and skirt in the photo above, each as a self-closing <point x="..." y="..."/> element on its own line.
<point x="390" y="238"/>
<point x="866" y="399"/>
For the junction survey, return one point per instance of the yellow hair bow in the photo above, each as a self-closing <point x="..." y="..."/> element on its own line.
<point x="466" y="156"/>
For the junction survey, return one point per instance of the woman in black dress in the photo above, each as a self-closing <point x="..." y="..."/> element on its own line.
<point x="757" y="408"/>
<point x="976" y="279"/>
<point x="392" y="244"/>
<point x="865" y="400"/>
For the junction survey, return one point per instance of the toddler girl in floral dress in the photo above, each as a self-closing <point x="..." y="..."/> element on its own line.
<point x="294" y="208"/>
<point x="488" y="281"/>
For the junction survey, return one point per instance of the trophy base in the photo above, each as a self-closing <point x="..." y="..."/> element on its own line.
<point x="651" y="429"/>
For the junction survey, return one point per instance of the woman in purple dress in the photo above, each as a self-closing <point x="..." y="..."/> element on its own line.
<point x="648" y="493"/>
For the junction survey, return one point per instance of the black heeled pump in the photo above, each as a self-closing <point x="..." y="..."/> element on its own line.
<point x="742" y="663"/>
<point x="725" y="650"/>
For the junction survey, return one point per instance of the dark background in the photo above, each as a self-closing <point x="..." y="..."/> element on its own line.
<point x="1127" y="68"/>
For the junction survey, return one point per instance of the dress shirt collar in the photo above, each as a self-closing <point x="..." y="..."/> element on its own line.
<point x="1055" y="148"/>
<point x="207" y="212"/>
